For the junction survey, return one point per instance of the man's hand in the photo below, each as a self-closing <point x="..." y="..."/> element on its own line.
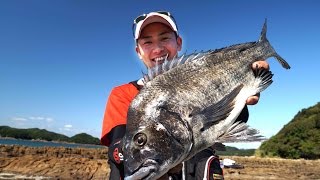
<point x="252" y="100"/>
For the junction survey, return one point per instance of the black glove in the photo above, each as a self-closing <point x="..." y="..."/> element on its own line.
<point x="115" y="152"/>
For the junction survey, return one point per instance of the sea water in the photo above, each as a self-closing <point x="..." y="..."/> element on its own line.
<point x="34" y="143"/>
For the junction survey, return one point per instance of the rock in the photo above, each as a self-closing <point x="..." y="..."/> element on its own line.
<point x="55" y="162"/>
<point x="87" y="163"/>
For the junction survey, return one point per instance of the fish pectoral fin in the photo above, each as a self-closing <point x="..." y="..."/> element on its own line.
<point x="221" y="110"/>
<point x="241" y="132"/>
<point x="264" y="76"/>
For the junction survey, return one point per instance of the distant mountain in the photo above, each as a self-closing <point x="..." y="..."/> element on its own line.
<point x="42" y="134"/>
<point x="84" y="138"/>
<point x="300" y="138"/>
<point x="233" y="151"/>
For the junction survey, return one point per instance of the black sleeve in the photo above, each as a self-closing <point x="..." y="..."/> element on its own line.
<point x="116" y="167"/>
<point x="244" y="115"/>
<point x="116" y="171"/>
<point x="116" y="133"/>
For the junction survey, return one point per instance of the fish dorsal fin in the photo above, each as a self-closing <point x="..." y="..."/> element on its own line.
<point x="263" y="36"/>
<point x="221" y="110"/>
<point x="170" y="64"/>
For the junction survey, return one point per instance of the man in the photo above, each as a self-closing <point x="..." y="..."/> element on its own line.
<point x="157" y="38"/>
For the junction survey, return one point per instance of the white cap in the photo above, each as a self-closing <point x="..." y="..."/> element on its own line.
<point x="155" y="17"/>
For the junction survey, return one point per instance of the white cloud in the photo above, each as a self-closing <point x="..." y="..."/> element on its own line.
<point x="68" y="126"/>
<point x="40" y="118"/>
<point x="33" y="118"/>
<point x="36" y="118"/>
<point x="49" y="119"/>
<point x="31" y="122"/>
<point x="19" y="119"/>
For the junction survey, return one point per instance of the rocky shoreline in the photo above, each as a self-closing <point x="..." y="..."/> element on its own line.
<point x="55" y="162"/>
<point x="10" y="176"/>
<point x="21" y="162"/>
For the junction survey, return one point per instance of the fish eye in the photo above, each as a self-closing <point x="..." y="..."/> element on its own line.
<point x="140" y="139"/>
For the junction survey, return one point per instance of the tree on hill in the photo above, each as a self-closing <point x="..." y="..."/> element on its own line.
<point x="33" y="133"/>
<point x="84" y="138"/>
<point x="42" y="134"/>
<point x="233" y="151"/>
<point x="300" y="138"/>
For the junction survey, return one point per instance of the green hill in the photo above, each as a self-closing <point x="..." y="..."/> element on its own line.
<point x="300" y="138"/>
<point x="84" y="138"/>
<point x="233" y="151"/>
<point x="42" y="134"/>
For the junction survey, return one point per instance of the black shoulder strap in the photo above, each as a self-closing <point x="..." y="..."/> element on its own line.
<point x="135" y="83"/>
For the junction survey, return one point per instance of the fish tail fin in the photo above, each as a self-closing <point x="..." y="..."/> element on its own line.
<point x="263" y="36"/>
<point x="282" y="61"/>
<point x="263" y="78"/>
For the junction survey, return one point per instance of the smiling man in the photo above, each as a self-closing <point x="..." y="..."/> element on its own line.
<point x="157" y="39"/>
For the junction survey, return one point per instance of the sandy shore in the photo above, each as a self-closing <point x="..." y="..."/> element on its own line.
<point x="256" y="168"/>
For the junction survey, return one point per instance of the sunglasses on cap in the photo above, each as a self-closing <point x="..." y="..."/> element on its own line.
<point x="144" y="16"/>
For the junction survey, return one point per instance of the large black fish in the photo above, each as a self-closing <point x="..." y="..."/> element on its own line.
<point x="191" y="102"/>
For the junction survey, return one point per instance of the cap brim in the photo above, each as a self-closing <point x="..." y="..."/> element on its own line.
<point x="152" y="18"/>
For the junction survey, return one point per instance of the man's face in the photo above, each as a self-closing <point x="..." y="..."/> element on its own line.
<point x="156" y="42"/>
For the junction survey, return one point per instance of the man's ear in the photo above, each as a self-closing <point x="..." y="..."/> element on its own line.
<point x="138" y="51"/>
<point x="179" y="43"/>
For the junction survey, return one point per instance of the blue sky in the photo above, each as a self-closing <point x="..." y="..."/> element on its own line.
<point x="60" y="59"/>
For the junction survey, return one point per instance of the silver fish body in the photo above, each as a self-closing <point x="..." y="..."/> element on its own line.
<point x="191" y="102"/>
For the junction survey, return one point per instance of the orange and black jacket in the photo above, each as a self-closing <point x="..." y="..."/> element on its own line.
<point x="115" y="117"/>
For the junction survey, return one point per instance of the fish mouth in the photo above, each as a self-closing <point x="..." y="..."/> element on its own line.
<point x="144" y="171"/>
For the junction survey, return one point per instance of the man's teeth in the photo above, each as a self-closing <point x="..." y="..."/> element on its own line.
<point x="160" y="58"/>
